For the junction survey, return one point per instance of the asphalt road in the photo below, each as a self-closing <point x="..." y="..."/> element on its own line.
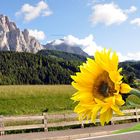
<point x="124" y="136"/>
<point x="70" y="134"/>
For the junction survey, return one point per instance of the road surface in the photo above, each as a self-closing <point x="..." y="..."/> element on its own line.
<point x="69" y="134"/>
<point x="124" y="136"/>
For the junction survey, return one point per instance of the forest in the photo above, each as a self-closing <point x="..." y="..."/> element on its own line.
<point x="50" y="67"/>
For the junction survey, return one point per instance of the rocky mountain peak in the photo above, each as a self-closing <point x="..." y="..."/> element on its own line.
<point x="6" y="25"/>
<point x="13" y="39"/>
<point x="60" y="45"/>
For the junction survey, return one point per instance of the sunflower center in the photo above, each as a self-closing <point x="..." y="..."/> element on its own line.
<point x="103" y="87"/>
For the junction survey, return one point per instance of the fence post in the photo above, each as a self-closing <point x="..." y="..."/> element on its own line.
<point x="64" y="117"/>
<point x="136" y="114"/>
<point x="1" y="125"/>
<point x="82" y="124"/>
<point x="112" y="122"/>
<point x="45" y="121"/>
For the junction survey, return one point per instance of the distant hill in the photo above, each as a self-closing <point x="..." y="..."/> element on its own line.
<point x="64" y="47"/>
<point x="62" y="55"/>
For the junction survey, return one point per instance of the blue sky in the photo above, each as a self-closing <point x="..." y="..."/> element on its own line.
<point x="93" y="24"/>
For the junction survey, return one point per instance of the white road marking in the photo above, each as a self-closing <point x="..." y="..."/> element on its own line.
<point x="108" y="135"/>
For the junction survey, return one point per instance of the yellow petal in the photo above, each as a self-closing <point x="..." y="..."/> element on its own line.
<point x="117" y="110"/>
<point x="115" y="76"/>
<point x="83" y="97"/>
<point x="109" y="115"/>
<point x="106" y="116"/>
<point x="115" y="60"/>
<point x="103" y="118"/>
<point x="82" y="81"/>
<point x="107" y="60"/>
<point x="95" y="110"/>
<point x="104" y="109"/>
<point x="85" y="77"/>
<point x="117" y="87"/>
<point x="125" y="88"/>
<point x="110" y="100"/>
<point x="98" y="101"/>
<point x="81" y="87"/>
<point x="118" y="99"/>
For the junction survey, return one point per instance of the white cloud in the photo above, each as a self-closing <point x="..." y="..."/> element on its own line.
<point x="136" y="21"/>
<point x="87" y="44"/>
<point x="108" y="14"/>
<point x="132" y="9"/>
<point x="134" y="56"/>
<point x="129" y="56"/>
<point x="40" y="35"/>
<point x="31" y="12"/>
<point x="122" y="57"/>
<point x="92" y="2"/>
<point x="47" y="13"/>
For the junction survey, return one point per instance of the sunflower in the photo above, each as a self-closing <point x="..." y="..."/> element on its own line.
<point x="99" y="87"/>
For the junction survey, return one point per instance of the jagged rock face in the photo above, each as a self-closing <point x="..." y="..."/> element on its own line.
<point x="12" y="39"/>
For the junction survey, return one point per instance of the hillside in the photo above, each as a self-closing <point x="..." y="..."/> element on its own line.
<point x="131" y="71"/>
<point x="62" y="55"/>
<point x="50" y="67"/>
<point x="132" y="67"/>
<point x="27" y="68"/>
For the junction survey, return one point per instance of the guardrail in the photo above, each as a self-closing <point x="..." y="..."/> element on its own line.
<point x="56" y="120"/>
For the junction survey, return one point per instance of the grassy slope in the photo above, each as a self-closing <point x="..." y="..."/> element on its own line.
<point x="134" y="128"/>
<point x="17" y="100"/>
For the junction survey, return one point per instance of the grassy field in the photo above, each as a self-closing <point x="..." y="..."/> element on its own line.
<point x="28" y="99"/>
<point x="134" y="128"/>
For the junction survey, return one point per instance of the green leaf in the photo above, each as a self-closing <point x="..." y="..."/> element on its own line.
<point x="135" y="92"/>
<point x="133" y="100"/>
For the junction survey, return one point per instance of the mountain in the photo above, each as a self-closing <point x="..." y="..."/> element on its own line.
<point x="65" y="48"/>
<point x="13" y="39"/>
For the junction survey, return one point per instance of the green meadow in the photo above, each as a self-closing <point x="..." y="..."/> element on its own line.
<point x="34" y="99"/>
